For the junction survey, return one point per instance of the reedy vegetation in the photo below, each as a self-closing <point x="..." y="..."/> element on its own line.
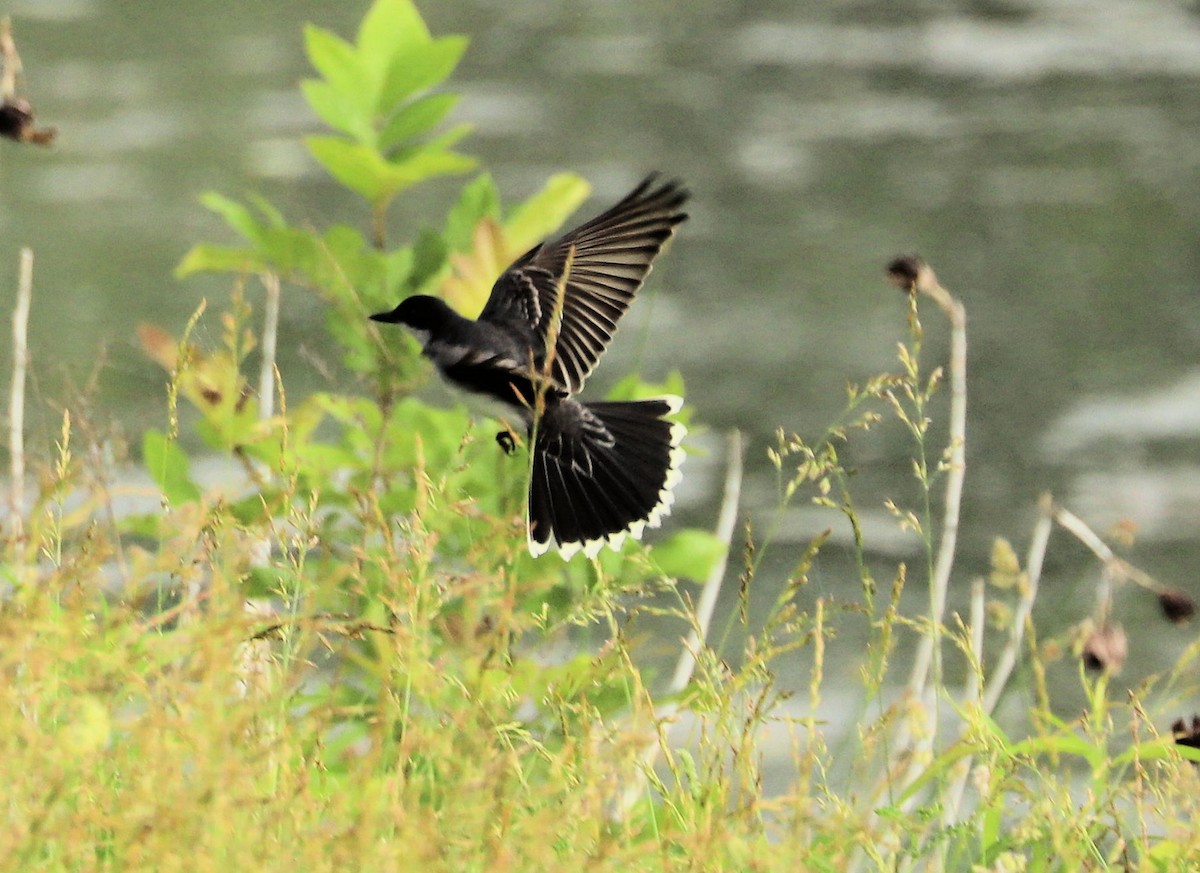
<point x="346" y="659"/>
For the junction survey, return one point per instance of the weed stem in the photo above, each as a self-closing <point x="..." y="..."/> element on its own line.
<point x="16" y="404"/>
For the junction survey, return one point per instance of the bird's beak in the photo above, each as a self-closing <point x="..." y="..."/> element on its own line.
<point x="387" y="317"/>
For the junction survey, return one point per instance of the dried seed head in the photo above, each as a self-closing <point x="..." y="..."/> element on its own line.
<point x="1177" y="605"/>
<point x="1105" y="649"/>
<point x="16" y="122"/>
<point x="904" y="270"/>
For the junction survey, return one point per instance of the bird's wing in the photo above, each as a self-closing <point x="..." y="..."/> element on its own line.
<point x="516" y="299"/>
<point x="612" y="255"/>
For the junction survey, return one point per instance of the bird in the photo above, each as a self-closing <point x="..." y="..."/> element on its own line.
<point x="601" y="470"/>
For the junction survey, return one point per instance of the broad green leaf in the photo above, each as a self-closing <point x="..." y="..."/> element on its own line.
<point x="332" y="108"/>
<point x="441" y="142"/>
<point x="428" y="260"/>
<point x="365" y="171"/>
<point x="359" y="168"/>
<point x="479" y="200"/>
<point x="689" y="554"/>
<point x="205" y="258"/>
<point x="169" y="467"/>
<point x="544" y="213"/>
<point x="295" y="253"/>
<point x="419" y="69"/>
<point x="416" y="118"/>
<point x="268" y="210"/>
<point x="1062" y="744"/>
<point x="1155" y="750"/>
<point x="632" y="387"/>
<point x="338" y="62"/>
<point x="400" y="268"/>
<point x="235" y="214"/>
<point x="390" y="28"/>
<point x="428" y="163"/>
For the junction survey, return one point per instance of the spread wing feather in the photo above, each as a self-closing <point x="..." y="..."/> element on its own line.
<point x="613" y="253"/>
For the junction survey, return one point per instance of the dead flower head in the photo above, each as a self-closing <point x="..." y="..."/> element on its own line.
<point x="1105" y="649"/>
<point x="16" y="122"/>
<point x="1176" y="605"/>
<point x="904" y="270"/>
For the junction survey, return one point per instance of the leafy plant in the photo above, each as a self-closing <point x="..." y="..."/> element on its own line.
<point x="398" y="517"/>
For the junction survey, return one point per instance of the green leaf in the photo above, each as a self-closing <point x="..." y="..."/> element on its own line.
<point x="169" y="467"/>
<point x="416" y="118"/>
<point x="430" y="162"/>
<point x="479" y="199"/>
<point x="235" y="214"/>
<point x="428" y="258"/>
<point x="390" y="28"/>
<point x="632" y="387"/>
<point x="359" y="168"/>
<point x="689" y="554"/>
<point x="332" y="108"/>
<point x="365" y="171"/>
<point x="1156" y="750"/>
<point x="1062" y="744"/>
<point x="338" y="62"/>
<point x="268" y="210"/>
<point x="419" y="69"/>
<point x="544" y="213"/>
<point x="206" y="258"/>
<point x="399" y="267"/>
<point x="439" y="143"/>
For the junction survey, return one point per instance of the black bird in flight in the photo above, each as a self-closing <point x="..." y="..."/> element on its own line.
<point x="601" y="470"/>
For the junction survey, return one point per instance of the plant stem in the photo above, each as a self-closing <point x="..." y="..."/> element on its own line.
<point x="927" y="283"/>
<point x="266" y="376"/>
<point x="726" y="521"/>
<point x="1033" y="569"/>
<point x="16" y="405"/>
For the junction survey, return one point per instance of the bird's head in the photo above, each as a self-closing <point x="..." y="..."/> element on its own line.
<point x="421" y="314"/>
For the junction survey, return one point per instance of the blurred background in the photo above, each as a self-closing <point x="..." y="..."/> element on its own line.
<point x="1042" y="154"/>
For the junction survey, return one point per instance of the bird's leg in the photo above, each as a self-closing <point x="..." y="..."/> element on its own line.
<point x="507" y="439"/>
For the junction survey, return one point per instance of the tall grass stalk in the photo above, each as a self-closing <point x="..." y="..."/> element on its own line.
<point x="16" y="398"/>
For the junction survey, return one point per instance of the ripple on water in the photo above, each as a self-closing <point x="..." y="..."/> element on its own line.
<point x="1073" y="38"/>
<point x="53" y="10"/>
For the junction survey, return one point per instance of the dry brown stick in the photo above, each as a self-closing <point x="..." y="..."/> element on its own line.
<point x="266" y="378"/>
<point x="712" y="586"/>
<point x="1016" y="636"/>
<point x="1118" y="568"/>
<point x="16" y="403"/>
<point x="254" y="666"/>
<point x="10" y="61"/>
<point x="916" y="276"/>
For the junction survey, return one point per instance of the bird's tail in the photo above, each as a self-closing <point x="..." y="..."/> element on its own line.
<point x="601" y="472"/>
